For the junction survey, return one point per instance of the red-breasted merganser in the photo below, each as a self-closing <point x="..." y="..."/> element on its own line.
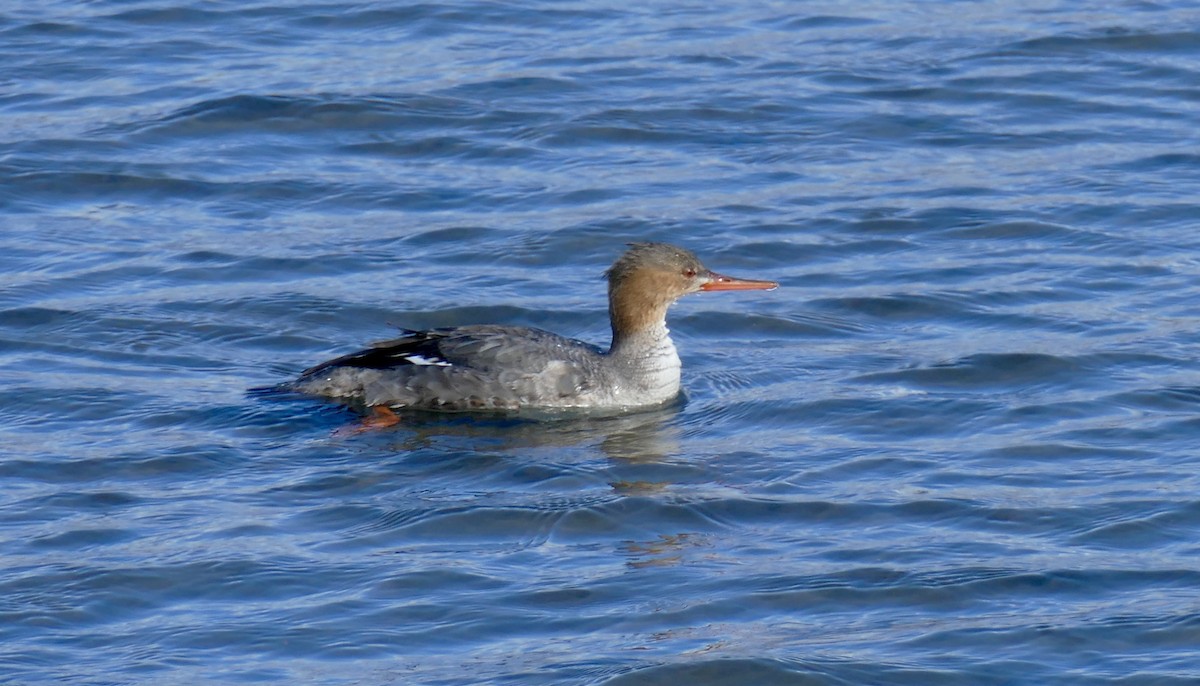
<point x="512" y="368"/>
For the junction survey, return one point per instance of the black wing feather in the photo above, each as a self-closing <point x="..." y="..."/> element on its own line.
<point x="387" y="354"/>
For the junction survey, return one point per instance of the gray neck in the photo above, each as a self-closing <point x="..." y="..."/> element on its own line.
<point x="646" y="343"/>
<point x="649" y="358"/>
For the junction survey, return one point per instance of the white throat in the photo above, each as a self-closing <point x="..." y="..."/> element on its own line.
<point x="652" y="363"/>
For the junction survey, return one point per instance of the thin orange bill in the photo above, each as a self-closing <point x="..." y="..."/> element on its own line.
<point x="720" y="282"/>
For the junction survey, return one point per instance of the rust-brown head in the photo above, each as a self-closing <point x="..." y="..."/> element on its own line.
<point x="644" y="282"/>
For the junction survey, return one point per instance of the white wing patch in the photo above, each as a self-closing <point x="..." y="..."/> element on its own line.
<point x="426" y="361"/>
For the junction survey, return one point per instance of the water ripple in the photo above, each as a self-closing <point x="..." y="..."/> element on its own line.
<point x="956" y="446"/>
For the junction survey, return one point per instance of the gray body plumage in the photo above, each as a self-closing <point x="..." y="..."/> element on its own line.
<point x="496" y="368"/>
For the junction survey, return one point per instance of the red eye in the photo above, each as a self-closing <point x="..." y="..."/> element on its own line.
<point x="689" y="273"/>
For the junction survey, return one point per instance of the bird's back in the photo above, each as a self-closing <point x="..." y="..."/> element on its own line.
<point x="464" y="368"/>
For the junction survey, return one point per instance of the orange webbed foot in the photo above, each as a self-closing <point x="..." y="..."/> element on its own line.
<point x="381" y="417"/>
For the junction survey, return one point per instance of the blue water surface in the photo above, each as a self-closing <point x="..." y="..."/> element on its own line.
<point x="960" y="445"/>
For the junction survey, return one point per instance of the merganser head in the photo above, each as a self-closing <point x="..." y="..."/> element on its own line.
<point x="672" y="272"/>
<point x="644" y="282"/>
